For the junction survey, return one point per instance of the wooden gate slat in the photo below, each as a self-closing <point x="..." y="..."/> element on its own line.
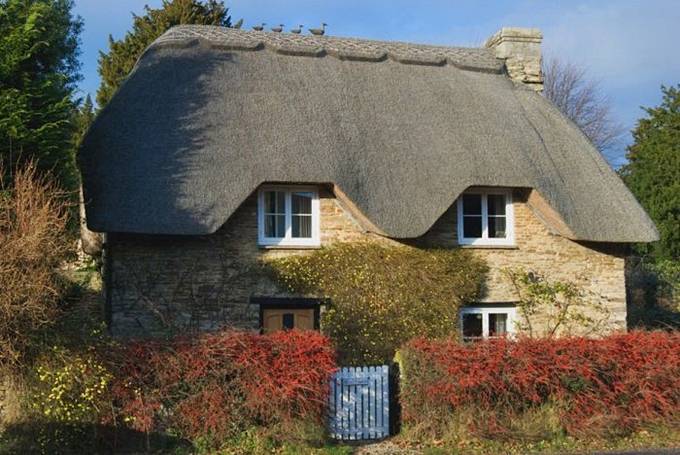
<point x="386" y="401"/>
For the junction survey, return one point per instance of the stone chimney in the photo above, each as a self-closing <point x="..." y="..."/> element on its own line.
<point x="521" y="50"/>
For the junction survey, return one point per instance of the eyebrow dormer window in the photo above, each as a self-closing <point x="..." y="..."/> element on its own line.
<point x="288" y="216"/>
<point x="485" y="217"/>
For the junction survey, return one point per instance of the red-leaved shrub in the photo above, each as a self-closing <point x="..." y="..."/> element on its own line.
<point x="215" y="385"/>
<point x="597" y="386"/>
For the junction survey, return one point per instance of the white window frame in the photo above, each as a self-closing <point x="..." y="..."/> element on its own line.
<point x="510" y="311"/>
<point x="288" y="240"/>
<point x="484" y="240"/>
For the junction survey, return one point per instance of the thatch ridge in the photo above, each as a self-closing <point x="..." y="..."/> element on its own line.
<point x="478" y="59"/>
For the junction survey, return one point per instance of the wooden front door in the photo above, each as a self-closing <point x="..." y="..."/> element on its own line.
<point x="274" y="319"/>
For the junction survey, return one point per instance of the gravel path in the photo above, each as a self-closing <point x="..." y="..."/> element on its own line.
<point x="385" y="448"/>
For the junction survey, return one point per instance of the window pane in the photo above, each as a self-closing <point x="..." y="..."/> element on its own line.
<point x="498" y="324"/>
<point x="472" y="227"/>
<point x="275" y="226"/>
<point x="270" y="202"/>
<point x="288" y="321"/>
<point x="302" y="203"/>
<point x="274" y="202"/>
<point x="496" y="204"/>
<point x="472" y="325"/>
<point x="270" y="226"/>
<point x="280" y="225"/>
<point x="472" y="204"/>
<point x="497" y="227"/>
<point x="302" y="226"/>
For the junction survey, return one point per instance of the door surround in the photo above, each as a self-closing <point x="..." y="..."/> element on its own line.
<point x="288" y="303"/>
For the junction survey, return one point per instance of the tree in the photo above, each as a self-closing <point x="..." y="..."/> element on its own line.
<point x="115" y="65"/>
<point x="568" y="87"/>
<point x="90" y="241"/>
<point x="82" y="119"/>
<point x="39" y="66"/>
<point x="653" y="171"/>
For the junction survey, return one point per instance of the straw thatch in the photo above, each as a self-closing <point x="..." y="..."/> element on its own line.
<point x="208" y="114"/>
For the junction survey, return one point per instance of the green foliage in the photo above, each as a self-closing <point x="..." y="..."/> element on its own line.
<point x="65" y="380"/>
<point x="82" y="119"/>
<point x="381" y="296"/>
<point x="550" y="308"/>
<point x="67" y="383"/>
<point x="653" y="293"/>
<point x="115" y="65"/>
<point x="668" y="273"/>
<point x="38" y="71"/>
<point x="653" y="172"/>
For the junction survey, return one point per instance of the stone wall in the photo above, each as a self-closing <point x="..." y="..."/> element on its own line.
<point x="203" y="282"/>
<point x="206" y="282"/>
<point x="598" y="268"/>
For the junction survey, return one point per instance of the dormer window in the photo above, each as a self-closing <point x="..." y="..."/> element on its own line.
<point x="485" y="217"/>
<point x="288" y="216"/>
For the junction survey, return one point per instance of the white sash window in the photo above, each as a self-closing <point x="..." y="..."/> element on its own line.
<point x="485" y="217"/>
<point x="288" y="216"/>
<point x="481" y="322"/>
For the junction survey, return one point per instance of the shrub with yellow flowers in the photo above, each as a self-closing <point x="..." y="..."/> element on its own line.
<point x="69" y="387"/>
<point x="382" y="295"/>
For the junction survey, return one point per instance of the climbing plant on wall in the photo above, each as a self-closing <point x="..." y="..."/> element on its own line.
<point x="549" y="308"/>
<point x="383" y="295"/>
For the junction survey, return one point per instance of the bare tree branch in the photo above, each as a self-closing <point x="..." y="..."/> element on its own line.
<point x="581" y="99"/>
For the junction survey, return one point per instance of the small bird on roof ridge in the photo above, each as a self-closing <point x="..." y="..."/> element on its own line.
<point x="319" y="31"/>
<point x="278" y="29"/>
<point x="260" y="27"/>
<point x="296" y="30"/>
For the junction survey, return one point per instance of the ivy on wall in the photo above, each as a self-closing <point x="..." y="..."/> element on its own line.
<point x="383" y="295"/>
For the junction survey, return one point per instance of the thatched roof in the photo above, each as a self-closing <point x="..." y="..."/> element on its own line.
<point x="208" y="114"/>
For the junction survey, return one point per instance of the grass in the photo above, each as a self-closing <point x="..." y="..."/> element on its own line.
<point x="652" y="438"/>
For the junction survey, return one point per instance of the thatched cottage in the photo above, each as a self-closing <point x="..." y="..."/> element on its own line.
<point x="225" y="147"/>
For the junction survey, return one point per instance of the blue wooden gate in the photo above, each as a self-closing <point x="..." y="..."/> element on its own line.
<point x="359" y="403"/>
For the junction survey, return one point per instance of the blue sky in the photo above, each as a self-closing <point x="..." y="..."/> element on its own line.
<point x="629" y="46"/>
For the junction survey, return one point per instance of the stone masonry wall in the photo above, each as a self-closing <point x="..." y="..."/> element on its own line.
<point x="207" y="282"/>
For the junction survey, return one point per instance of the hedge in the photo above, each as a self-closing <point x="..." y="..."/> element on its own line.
<point x="612" y="385"/>
<point x="217" y="385"/>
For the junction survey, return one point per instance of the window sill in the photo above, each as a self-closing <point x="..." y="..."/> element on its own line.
<point x="490" y="247"/>
<point x="289" y="247"/>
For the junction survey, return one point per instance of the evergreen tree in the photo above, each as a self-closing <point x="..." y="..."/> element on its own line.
<point x="82" y="120"/>
<point x="653" y="171"/>
<point x="115" y="65"/>
<point x="39" y="66"/>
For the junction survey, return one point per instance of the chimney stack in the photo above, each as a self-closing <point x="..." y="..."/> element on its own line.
<point x="521" y="50"/>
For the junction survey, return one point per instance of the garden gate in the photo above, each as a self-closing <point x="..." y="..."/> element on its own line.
<point x="360" y="403"/>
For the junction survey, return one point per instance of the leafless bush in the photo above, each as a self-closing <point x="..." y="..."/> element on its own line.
<point x="581" y="99"/>
<point x="33" y="242"/>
